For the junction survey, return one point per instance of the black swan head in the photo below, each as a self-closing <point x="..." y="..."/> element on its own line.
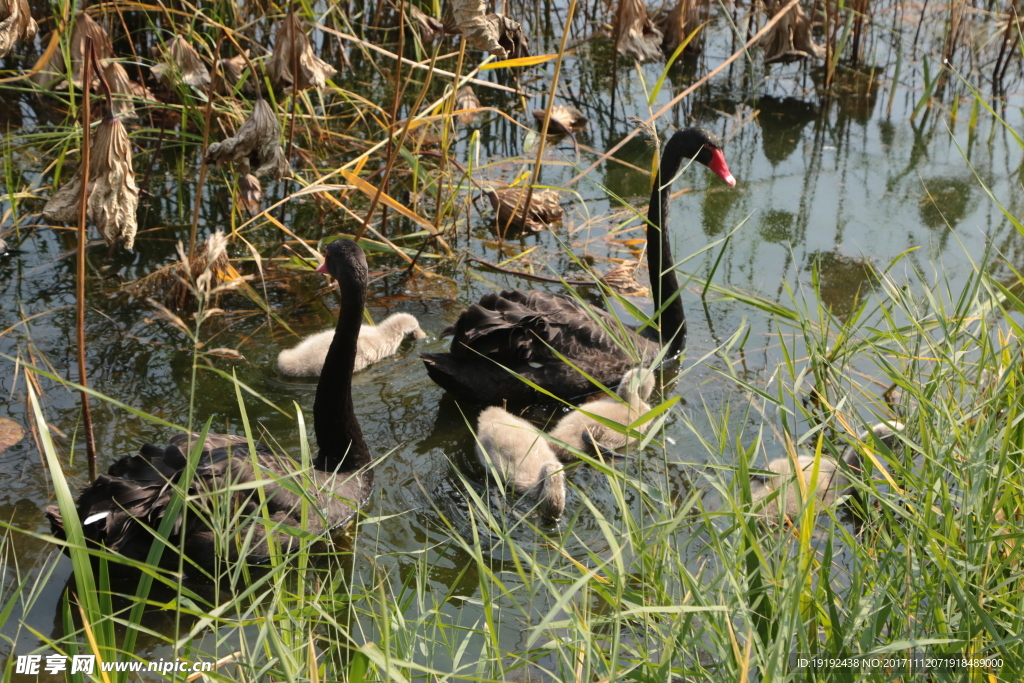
<point x="345" y="262"/>
<point x="702" y="146"/>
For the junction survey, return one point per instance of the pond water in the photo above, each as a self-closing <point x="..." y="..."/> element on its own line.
<point x="838" y="182"/>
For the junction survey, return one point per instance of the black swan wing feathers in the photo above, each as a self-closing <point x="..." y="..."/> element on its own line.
<point x="527" y="332"/>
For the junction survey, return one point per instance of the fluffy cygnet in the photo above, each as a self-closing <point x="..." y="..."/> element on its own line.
<point x="832" y="483"/>
<point x="375" y="342"/>
<point x="517" y="454"/>
<point x="573" y="429"/>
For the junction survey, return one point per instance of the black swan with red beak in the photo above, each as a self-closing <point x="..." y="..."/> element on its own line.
<point x="530" y="333"/>
<point x="117" y="508"/>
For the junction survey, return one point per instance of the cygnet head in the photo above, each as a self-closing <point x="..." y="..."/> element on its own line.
<point x="638" y="381"/>
<point x="551" y="496"/>
<point x="886" y="432"/>
<point x="406" y="325"/>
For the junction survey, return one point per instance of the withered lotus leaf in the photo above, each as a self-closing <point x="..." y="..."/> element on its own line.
<point x="51" y="73"/>
<point x="510" y="36"/>
<point x="469" y="17"/>
<point x="465" y="98"/>
<point x="638" y="36"/>
<point x="313" y="71"/>
<point x="565" y="119"/>
<point x="113" y="196"/>
<point x="86" y="27"/>
<point x="680" y="22"/>
<point x="181" y="61"/>
<point x="230" y="71"/>
<point x="16" y="25"/>
<point x="54" y="70"/>
<point x="250" y="194"/>
<point x="123" y="90"/>
<point x="429" y="27"/>
<point x="790" y="39"/>
<point x="255" y="147"/>
<point x="622" y="279"/>
<point x="545" y="208"/>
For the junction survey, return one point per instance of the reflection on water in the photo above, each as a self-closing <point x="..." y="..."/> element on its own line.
<point x="832" y="183"/>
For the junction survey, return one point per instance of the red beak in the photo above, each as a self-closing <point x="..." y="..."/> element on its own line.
<point x="720" y="168"/>
<point x="323" y="267"/>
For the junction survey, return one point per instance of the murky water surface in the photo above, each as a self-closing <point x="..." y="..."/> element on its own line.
<point x="836" y="182"/>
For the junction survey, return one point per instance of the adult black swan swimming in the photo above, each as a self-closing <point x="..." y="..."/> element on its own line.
<point x="117" y="508"/>
<point x="526" y="332"/>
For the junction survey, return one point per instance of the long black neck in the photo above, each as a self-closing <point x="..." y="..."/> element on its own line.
<point x="659" y="254"/>
<point x="338" y="435"/>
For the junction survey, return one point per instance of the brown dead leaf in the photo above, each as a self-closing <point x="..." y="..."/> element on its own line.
<point x="48" y="72"/>
<point x="53" y="71"/>
<point x="182" y="62"/>
<point x="255" y="147"/>
<point x="565" y="119"/>
<point x="123" y="90"/>
<point x="510" y="36"/>
<point x="16" y="26"/>
<point x="545" y="208"/>
<point x="250" y="194"/>
<point x="495" y="33"/>
<point x="86" y="27"/>
<point x="10" y="433"/>
<point x="469" y="17"/>
<point x="429" y="27"/>
<point x="790" y="39"/>
<point x="678" y="24"/>
<point x="622" y="279"/>
<point x="230" y="72"/>
<point x="638" y="36"/>
<point x="466" y="99"/>
<point x="313" y="71"/>
<point x="113" y="196"/>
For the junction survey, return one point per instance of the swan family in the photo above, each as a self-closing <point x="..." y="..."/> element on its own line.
<point x="556" y="342"/>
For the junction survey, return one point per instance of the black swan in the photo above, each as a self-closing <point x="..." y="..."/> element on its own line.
<point x="526" y="332"/>
<point x="120" y="507"/>
<point x="585" y="434"/>
<point x="518" y="456"/>
<point x="831" y="483"/>
<point x="375" y="342"/>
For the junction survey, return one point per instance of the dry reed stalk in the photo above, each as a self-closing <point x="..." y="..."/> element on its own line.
<point x="90" y="439"/>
